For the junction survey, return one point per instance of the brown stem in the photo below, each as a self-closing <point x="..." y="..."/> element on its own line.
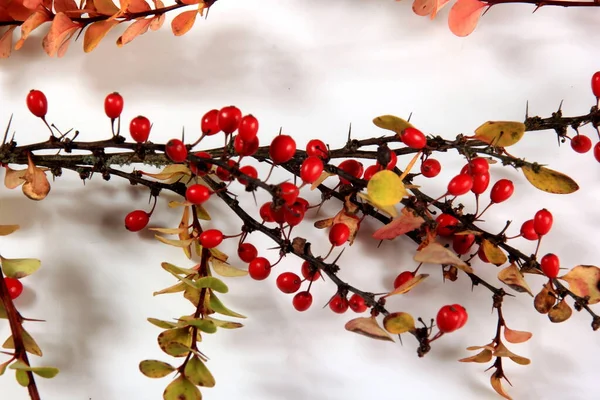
<point x="556" y="3"/>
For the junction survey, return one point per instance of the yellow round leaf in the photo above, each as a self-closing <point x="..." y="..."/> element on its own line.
<point x="500" y="133"/>
<point x="386" y="188"/>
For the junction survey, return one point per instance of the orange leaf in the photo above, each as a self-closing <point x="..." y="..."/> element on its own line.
<point x="65" y="5"/>
<point x="62" y="50"/>
<point x="157" y="22"/>
<point x="424" y="7"/>
<point x="6" y="42"/>
<point x="182" y="23"/>
<point x="32" y="4"/>
<point x="134" y="30"/>
<point x="513" y="336"/>
<point x="36" y="186"/>
<point x="158" y="4"/>
<point x="95" y="33"/>
<point x="497" y="385"/>
<point x="190" y="2"/>
<point x="439" y="5"/>
<point x="18" y="11"/>
<point x="33" y="22"/>
<point x="60" y="32"/>
<point x="106" y="7"/>
<point x="464" y="16"/>
<point x="484" y="356"/>
<point x="407" y="286"/>
<point x="136" y="6"/>
<point x="407" y="222"/>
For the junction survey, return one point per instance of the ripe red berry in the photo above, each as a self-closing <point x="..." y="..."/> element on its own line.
<point x="501" y="191"/>
<point x="431" y="168"/>
<point x="528" y="232"/>
<point x="413" y="138"/>
<point x="201" y="168"/>
<point x="259" y="269"/>
<point x="210" y="123"/>
<point x="302" y="202"/>
<point x="211" y="238"/>
<point x="289" y="192"/>
<point x="293" y="215"/>
<point x="176" y="150"/>
<point x="247" y="170"/>
<point x="245" y="147"/>
<point x="113" y="105"/>
<point x="550" y="265"/>
<point x="597" y="151"/>
<point x="460" y="185"/>
<point x="446" y="224"/>
<point x="311" y="169"/>
<point x="37" y="103"/>
<point x="139" y="129"/>
<point x="478" y="165"/>
<point x="542" y="222"/>
<point x="136" y="220"/>
<point x="265" y="212"/>
<point x="282" y="149"/>
<point x="480" y="182"/>
<point x="462" y="243"/>
<point x="278" y="214"/>
<point x="370" y="171"/>
<point x="351" y="167"/>
<point x="14" y="286"/>
<point x="339" y="234"/>
<point x="229" y="119"/>
<point x="288" y="282"/>
<point x="302" y="301"/>
<point x="248" y="128"/>
<point x="450" y="318"/>
<point x="338" y="304"/>
<point x="581" y="144"/>
<point x="224" y="174"/>
<point x="310" y="273"/>
<point x="393" y="160"/>
<point x="596" y="84"/>
<point x="402" y="278"/>
<point x="247" y="252"/>
<point x="197" y="194"/>
<point x="357" y="304"/>
<point x="317" y="148"/>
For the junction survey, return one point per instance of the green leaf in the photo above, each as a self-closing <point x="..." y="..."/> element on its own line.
<point x="392" y="123"/>
<point x="219" y="307"/>
<point x="18" y="268"/>
<point x="182" y="389"/>
<point x="192" y="294"/>
<point x="198" y="374"/>
<point x="201" y="213"/>
<point x="177" y="270"/>
<point x="155" y="368"/>
<point x="8" y="229"/>
<point x="549" y="181"/>
<point x="163" y="324"/>
<point x="178" y="287"/>
<point x="205" y="325"/>
<point x="22" y="377"/>
<point x="500" y="133"/>
<point x="44" y="372"/>
<point x="30" y="345"/>
<point x="224" y="269"/>
<point x="213" y="283"/>
<point x="225" y="324"/>
<point x="175" y="342"/>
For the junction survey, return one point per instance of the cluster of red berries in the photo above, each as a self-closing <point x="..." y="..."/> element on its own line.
<point x="583" y="144"/>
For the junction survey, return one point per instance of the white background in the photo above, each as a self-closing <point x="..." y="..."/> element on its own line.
<point x="311" y="67"/>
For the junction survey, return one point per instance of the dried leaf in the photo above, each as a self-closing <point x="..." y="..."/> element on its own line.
<point x="32" y="4"/>
<point x="482" y="357"/>
<point x="217" y="306"/>
<point x="386" y="188"/>
<point x="171" y="171"/>
<point x="435" y="253"/>
<point x="134" y="30"/>
<point x="464" y="16"/>
<point x="406" y="222"/>
<point x="163" y="324"/>
<point x="30" y="345"/>
<point x="168" y="231"/>
<point x="106" y="7"/>
<point x="6" y="42"/>
<point x="219" y="255"/>
<point x="61" y="31"/>
<point x="18" y="268"/>
<point x="183" y="22"/>
<point x="65" y="5"/>
<point x="201" y="213"/>
<point x="500" y="133"/>
<point x="224" y="269"/>
<point x="439" y="4"/>
<point x="368" y="326"/>
<point x="320" y="180"/>
<point x="549" y="181"/>
<point x="451" y="273"/>
<point x="178" y="287"/>
<point x="512" y="277"/>
<point x="138" y="6"/>
<point x="544" y="300"/>
<point x="3" y="367"/>
<point x="157" y="22"/>
<point x="502" y="351"/>
<point x="155" y="368"/>
<point x="3" y="314"/>
<point x="14" y="178"/>
<point x="175" y="342"/>
<point x="513" y="336"/>
<point x="560" y="312"/>
<point x="584" y="281"/>
<point x="399" y="322"/>
<point x="181" y="389"/>
<point x="423" y="7"/>
<point x="497" y="385"/>
<point x="185" y="235"/>
<point x="173" y="242"/>
<point x="493" y="253"/>
<point x="33" y="22"/>
<point x="392" y="123"/>
<point x="96" y="32"/>
<point x="489" y="346"/>
<point x="468" y="232"/>
<point x="6" y="230"/>
<point x="36" y="186"/>
<point x="62" y="50"/>
<point x="408" y="286"/>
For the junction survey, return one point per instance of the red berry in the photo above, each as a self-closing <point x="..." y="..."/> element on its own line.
<point x="451" y="318"/>
<point x="581" y="144"/>
<point x="247" y="252"/>
<point x="478" y="165"/>
<point x="460" y="184"/>
<point x="247" y="170"/>
<point x="370" y="171"/>
<point x="402" y="278"/>
<point x="265" y="212"/>
<point x="501" y="191"/>
<point x="37" y="103"/>
<point x="302" y="301"/>
<point x="596" y="84"/>
<point x="293" y="215"/>
<point x="302" y="202"/>
<point x="259" y="269"/>
<point x="289" y="192"/>
<point x="413" y="138"/>
<point x="446" y="224"/>
<point x="310" y="273"/>
<point x="431" y="168"/>
<point x="482" y="255"/>
<point x="480" y="182"/>
<point x="528" y="232"/>
<point x="357" y="304"/>
<point x="197" y="194"/>
<point x="278" y="214"/>
<point x="462" y="243"/>
<point x="211" y="238"/>
<point x="210" y="123"/>
<point x="597" y="151"/>
<point x="113" y="105"/>
<point x="542" y="222"/>
<point x="311" y="169"/>
<point x="245" y="147"/>
<point x="224" y="174"/>
<point x="393" y="160"/>
<point x="176" y="150"/>
<point x="248" y="128"/>
<point x="351" y="167"/>
<point x="339" y="234"/>
<point x="139" y="129"/>
<point x="282" y="149"/>
<point x="338" y="304"/>
<point x="288" y="282"/>
<point x="14" y="286"/>
<point x="550" y="265"/>
<point x="136" y="220"/>
<point x="229" y="119"/>
<point x="317" y="148"/>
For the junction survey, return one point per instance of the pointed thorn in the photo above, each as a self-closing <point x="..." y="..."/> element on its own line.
<point x="560" y="106"/>
<point x="7" y="129"/>
<point x="350" y="133"/>
<point x="537" y="8"/>
<point x="486" y="10"/>
<point x="527" y="110"/>
<point x="409" y="117"/>
<point x="183" y="134"/>
<point x="339" y="255"/>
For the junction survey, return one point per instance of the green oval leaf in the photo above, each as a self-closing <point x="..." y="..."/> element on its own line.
<point x="175" y="342"/>
<point x="548" y="180"/>
<point x="213" y="283"/>
<point x="182" y="389"/>
<point x="18" y="268"/>
<point x="196" y="371"/>
<point x="500" y="133"/>
<point x="163" y="324"/>
<point x="205" y="325"/>
<point x="155" y="368"/>
<point x="217" y="306"/>
<point x="22" y="377"/>
<point x="44" y="372"/>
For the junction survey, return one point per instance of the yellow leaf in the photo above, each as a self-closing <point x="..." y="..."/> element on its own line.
<point x="368" y="326"/>
<point x="224" y="269"/>
<point x="321" y="179"/>
<point x="182" y="389"/>
<point x="399" y="322"/>
<point x="172" y="171"/>
<point x="18" y="268"/>
<point x="185" y="235"/>
<point x="201" y="213"/>
<point x="493" y="253"/>
<point x="584" y="280"/>
<point x="386" y="188"/>
<point x="95" y="33"/>
<point x="177" y="243"/>
<point x="500" y="133"/>
<point x="182" y="23"/>
<point x="6" y="230"/>
<point x="408" y="286"/>
<point x="168" y="231"/>
<point x="391" y="210"/>
<point x="512" y="277"/>
<point x="435" y="253"/>
<point x="549" y="180"/>
<point x="219" y="255"/>
<point x="392" y="123"/>
<point x="30" y="345"/>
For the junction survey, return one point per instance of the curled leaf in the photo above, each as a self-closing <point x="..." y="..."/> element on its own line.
<point x="182" y="389"/>
<point x="178" y="287"/>
<point x="18" y="268"/>
<point x="464" y="16"/>
<point x="368" y="326"/>
<point x="386" y="188"/>
<point x="14" y="177"/>
<point x="584" y="281"/>
<point x="500" y="133"/>
<point x="512" y="277"/>
<point x="548" y="180"/>
<point x="435" y="253"/>
<point x="544" y="300"/>
<point x="177" y="243"/>
<point x="183" y="22"/>
<point x="405" y="223"/>
<point x="493" y="253"/>
<point x="392" y="123"/>
<point x="196" y="371"/>
<point x="155" y="368"/>
<point x="224" y="269"/>
<point x="61" y="31"/>
<point x="513" y="336"/>
<point x="36" y="186"/>
<point x="497" y="385"/>
<point x="399" y="322"/>
<point x="484" y="356"/>
<point x="560" y="312"/>
<point x="408" y="286"/>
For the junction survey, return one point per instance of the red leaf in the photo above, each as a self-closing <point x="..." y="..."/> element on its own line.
<point x="60" y="31"/>
<point x="182" y="23"/>
<point x="6" y="42"/>
<point x="134" y="30"/>
<point x="18" y="11"/>
<point x="464" y="16"/>
<point x="4" y="14"/>
<point x="136" y="6"/>
<point x="95" y="33"/>
<point x="32" y="4"/>
<point x="399" y="226"/>
<point x="106" y="7"/>
<point x="33" y="22"/>
<point x="65" y="5"/>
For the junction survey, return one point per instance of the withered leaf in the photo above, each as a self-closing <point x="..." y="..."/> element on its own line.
<point x="484" y="356"/>
<point x="36" y="186"/>
<point x="502" y="351"/>
<point x="497" y="385"/>
<point x="14" y="177"/>
<point x="349" y="219"/>
<point x="405" y="223"/>
<point x="6" y="42"/>
<point x="368" y="326"/>
<point x="549" y="180"/>
<point x="183" y="22"/>
<point x="155" y="368"/>
<point x="175" y="342"/>
<point x="450" y="273"/>
<point x="584" y="280"/>
<point x="177" y="243"/>
<point x="224" y="269"/>
<point x="493" y="253"/>
<point x="512" y="277"/>
<point x="134" y="30"/>
<point x="178" y="287"/>
<point x="197" y="372"/>
<point x="185" y="235"/>
<point x="560" y="312"/>
<point x="34" y="21"/>
<point x="182" y="389"/>
<point x="399" y="322"/>
<point x="513" y="336"/>
<point x="408" y="286"/>
<point x="435" y="253"/>
<point x="500" y="133"/>
<point x="544" y="300"/>
<point x="96" y="32"/>
<point x="171" y="173"/>
<point x="61" y="31"/>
